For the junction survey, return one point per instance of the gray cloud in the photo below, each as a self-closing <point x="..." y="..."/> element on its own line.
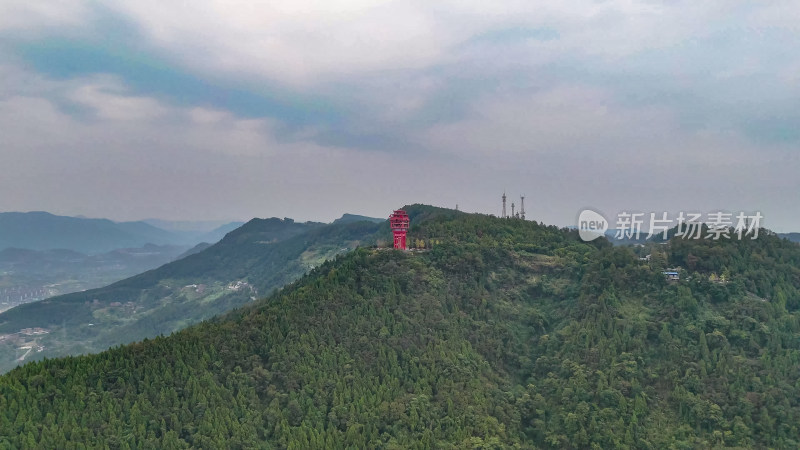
<point x="310" y="110"/>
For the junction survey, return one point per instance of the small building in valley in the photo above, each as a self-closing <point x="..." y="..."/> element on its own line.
<point x="672" y="275"/>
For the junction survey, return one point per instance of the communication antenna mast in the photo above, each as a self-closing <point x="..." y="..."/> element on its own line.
<point x="522" y="207"/>
<point x="504" y="206"/>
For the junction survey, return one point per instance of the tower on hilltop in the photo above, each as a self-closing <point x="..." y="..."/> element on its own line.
<point x="399" y="223"/>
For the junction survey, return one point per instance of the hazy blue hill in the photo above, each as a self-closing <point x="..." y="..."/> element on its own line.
<point x="193" y="232"/>
<point x="45" y="231"/>
<point x="218" y="233"/>
<point x="794" y="237"/>
<point x="12" y="255"/>
<point x="191" y="226"/>
<point x="494" y="334"/>
<point x="251" y="261"/>
<point x="148" y="234"/>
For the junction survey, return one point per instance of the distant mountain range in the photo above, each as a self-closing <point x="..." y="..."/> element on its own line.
<point x="250" y="262"/>
<point x="794" y="237"/>
<point x="44" y="231"/>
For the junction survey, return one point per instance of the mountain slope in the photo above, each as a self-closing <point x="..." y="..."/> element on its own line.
<point x="260" y="256"/>
<point x="504" y="334"/>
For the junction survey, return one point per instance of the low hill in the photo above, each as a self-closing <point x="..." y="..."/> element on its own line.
<point x="350" y="218"/>
<point x="497" y="333"/>
<point x="251" y="261"/>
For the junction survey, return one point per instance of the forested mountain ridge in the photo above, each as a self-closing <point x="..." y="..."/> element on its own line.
<point x="251" y="261"/>
<point x="502" y="333"/>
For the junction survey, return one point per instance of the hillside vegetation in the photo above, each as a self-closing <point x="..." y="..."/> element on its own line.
<point x="501" y="334"/>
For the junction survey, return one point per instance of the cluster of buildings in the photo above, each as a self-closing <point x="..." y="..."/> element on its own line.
<point x="18" y="295"/>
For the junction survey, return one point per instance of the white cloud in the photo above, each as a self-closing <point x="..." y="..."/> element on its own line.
<point x="628" y="92"/>
<point x="106" y="97"/>
<point x="294" y="42"/>
<point x="776" y="14"/>
<point x="563" y="119"/>
<point x="137" y="156"/>
<point x="304" y="42"/>
<point x="42" y="16"/>
<point x="575" y="146"/>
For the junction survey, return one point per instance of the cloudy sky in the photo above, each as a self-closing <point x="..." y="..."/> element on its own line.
<point x="308" y="109"/>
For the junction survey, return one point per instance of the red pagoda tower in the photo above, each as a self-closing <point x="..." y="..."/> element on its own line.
<point x="399" y="222"/>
